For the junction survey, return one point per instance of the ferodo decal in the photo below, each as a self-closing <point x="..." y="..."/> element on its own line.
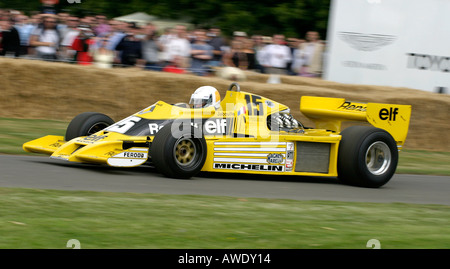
<point x="249" y="167"/>
<point x="130" y="158"/>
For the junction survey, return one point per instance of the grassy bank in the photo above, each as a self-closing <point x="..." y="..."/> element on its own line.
<point x="15" y="132"/>
<point x="48" y="219"/>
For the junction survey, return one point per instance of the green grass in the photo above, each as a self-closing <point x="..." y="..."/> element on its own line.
<point x="15" y="132"/>
<point x="424" y="162"/>
<point x="47" y="219"/>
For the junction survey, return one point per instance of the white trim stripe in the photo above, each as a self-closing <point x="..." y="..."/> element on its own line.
<point x="243" y="154"/>
<point x="252" y="149"/>
<point x="250" y="143"/>
<point x="138" y="149"/>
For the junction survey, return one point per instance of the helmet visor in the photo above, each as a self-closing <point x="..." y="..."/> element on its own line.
<point x="200" y="102"/>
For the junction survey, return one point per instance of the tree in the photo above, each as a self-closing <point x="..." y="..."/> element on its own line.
<point x="289" y="17"/>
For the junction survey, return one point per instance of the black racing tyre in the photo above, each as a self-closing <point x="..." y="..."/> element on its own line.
<point x="367" y="156"/>
<point x="176" y="152"/>
<point x="87" y="123"/>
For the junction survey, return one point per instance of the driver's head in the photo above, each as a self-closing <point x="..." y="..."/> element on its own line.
<point x="205" y="96"/>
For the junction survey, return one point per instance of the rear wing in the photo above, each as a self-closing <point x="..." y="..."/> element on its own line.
<point x="329" y="113"/>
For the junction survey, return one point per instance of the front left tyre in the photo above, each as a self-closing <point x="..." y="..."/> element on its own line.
<point x="177" y="153"/>
<point x="87" y="123"/>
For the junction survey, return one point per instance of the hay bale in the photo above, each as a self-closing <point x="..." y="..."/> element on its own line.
<point x="36" y="89"/>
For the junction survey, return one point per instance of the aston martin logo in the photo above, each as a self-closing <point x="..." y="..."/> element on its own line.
<point x="366" y="42"/>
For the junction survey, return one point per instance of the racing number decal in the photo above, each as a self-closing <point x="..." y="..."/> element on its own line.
<point x="254" y="105"/>
<point x="124" y="125"/>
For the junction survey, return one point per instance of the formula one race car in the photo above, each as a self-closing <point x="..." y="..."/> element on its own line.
<point x="244" y="133"/>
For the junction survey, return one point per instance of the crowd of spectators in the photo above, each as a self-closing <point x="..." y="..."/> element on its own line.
<point x="97" y="40"/>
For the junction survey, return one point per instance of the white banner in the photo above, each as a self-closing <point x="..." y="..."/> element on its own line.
<point x="400" y="43"/>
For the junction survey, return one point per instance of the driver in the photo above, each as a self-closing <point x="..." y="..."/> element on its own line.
<point x="204" y="97"/>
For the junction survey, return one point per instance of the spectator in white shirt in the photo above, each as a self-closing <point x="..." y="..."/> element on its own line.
<point x="178" y="46"/>
<point x="46" y="39"/>
<point x="275" y="57"/>
<point x="311" y="53"/>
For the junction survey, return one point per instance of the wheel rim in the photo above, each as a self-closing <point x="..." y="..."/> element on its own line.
<point x="378" y="158"/>
<point x="185" y="152"/>
<point x="97" y="127"/>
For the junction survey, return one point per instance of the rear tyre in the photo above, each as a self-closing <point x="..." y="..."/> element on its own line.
<point x="87" y="123"/>
<point x="367" y="156"/>
<point x="177" y="153"/>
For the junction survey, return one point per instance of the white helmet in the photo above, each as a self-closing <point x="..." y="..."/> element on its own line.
<point x="205" y="96"/>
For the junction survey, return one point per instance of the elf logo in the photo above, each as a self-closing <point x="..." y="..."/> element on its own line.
<point x="388" y="114"/>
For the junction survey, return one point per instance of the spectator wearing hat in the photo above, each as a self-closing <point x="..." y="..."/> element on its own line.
<point x="239" y="36"/>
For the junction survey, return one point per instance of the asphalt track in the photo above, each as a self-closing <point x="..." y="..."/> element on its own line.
<point x="42" y="172"/>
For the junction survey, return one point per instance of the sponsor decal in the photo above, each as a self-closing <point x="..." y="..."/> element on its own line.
<point x="136" y="155"/>
<point x="270" y="104"/>
<point x="347" y="105"/>
<point x="110" y="153"/>
<point x="366" y="42"/>
<point x="290" y="146"/>
<point x="371" y="66"/>
<point x="131" y="155"/>
<point x="93" y="138"/>
<point x="226" y="114"/>
<point x="215" y="126"/>
<point x="289" y="156"/>
<point x="289" y="165"/>
<point x="388" y="114"/>
<point x="428" y="62"/>
<point x="154" y="128"/>
<point x="249" y="167"/>
<point x="55" y="145"/>
<point x="132" y="158"/>
<point x="274" y="158"/>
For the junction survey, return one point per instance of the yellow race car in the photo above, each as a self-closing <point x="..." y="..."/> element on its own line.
<point x="244" y="133"/>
